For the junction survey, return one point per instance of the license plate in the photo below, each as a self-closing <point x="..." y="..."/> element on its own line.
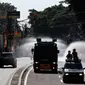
<point x="45" y="66"/>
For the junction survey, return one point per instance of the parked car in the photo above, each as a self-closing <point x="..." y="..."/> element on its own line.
<point x="7" y="58"/>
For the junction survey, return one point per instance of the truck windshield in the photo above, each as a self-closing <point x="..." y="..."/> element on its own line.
<point x="43" y="52"/>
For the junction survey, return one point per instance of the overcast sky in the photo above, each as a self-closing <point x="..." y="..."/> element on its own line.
<point x="24" y="5"/>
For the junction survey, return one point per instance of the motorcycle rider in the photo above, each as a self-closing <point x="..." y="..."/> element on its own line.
<point x="69" y="55"/>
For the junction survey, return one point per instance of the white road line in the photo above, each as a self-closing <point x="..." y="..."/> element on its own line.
<point x="10" y="79"/>
<point x="19" y="83"/>
<point x="61" y="80"/>
<point x="59" y="76"/>
<point x="25" y="82"/>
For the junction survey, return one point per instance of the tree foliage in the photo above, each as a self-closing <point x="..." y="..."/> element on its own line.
<point x="79" y="8"/>
<point x="52" y="21"/>
<point x="4" y="8"/>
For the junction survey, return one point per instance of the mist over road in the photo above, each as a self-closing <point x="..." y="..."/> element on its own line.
<point x="24" y="55"/>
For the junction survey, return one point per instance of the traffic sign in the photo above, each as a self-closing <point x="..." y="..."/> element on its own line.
<point x="12" y="14"/>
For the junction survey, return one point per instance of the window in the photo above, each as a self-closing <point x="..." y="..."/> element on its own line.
<point x="73" y="66"/>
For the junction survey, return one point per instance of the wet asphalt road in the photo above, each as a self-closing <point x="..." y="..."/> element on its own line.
<point x="46" y="79"/>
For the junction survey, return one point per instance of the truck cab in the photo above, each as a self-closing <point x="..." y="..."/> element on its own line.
<point x="45" y="56"/>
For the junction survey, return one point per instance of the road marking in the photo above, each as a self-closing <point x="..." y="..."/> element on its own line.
<point x="11" y="76"/>
<point x="61" y="81"/>
<point x="25" y="82"/>
<point x="19" y="82"/>
<point x="59" y="76"/>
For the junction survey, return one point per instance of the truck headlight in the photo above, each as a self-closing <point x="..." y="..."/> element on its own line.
<point x="53" y="67"/>
<point x="80" y="74"/>
<point x="54" y="62"/>
<point x="36" y="67"/>
<point x="66" y="70"/>
<point x="36" y="62"/>
<point x="66" y="74"/>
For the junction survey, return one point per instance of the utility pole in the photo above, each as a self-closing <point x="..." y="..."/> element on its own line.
<point x="10" y="30"/>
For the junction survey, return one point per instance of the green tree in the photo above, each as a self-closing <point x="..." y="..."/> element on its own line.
<point x="4" y="8"/>
<point x="79" y="8"/>
<point x="52" y="21"/>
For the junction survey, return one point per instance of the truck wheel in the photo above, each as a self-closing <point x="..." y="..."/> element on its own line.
<point x="36" y="71"/>
<point x="64" y="80"/>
